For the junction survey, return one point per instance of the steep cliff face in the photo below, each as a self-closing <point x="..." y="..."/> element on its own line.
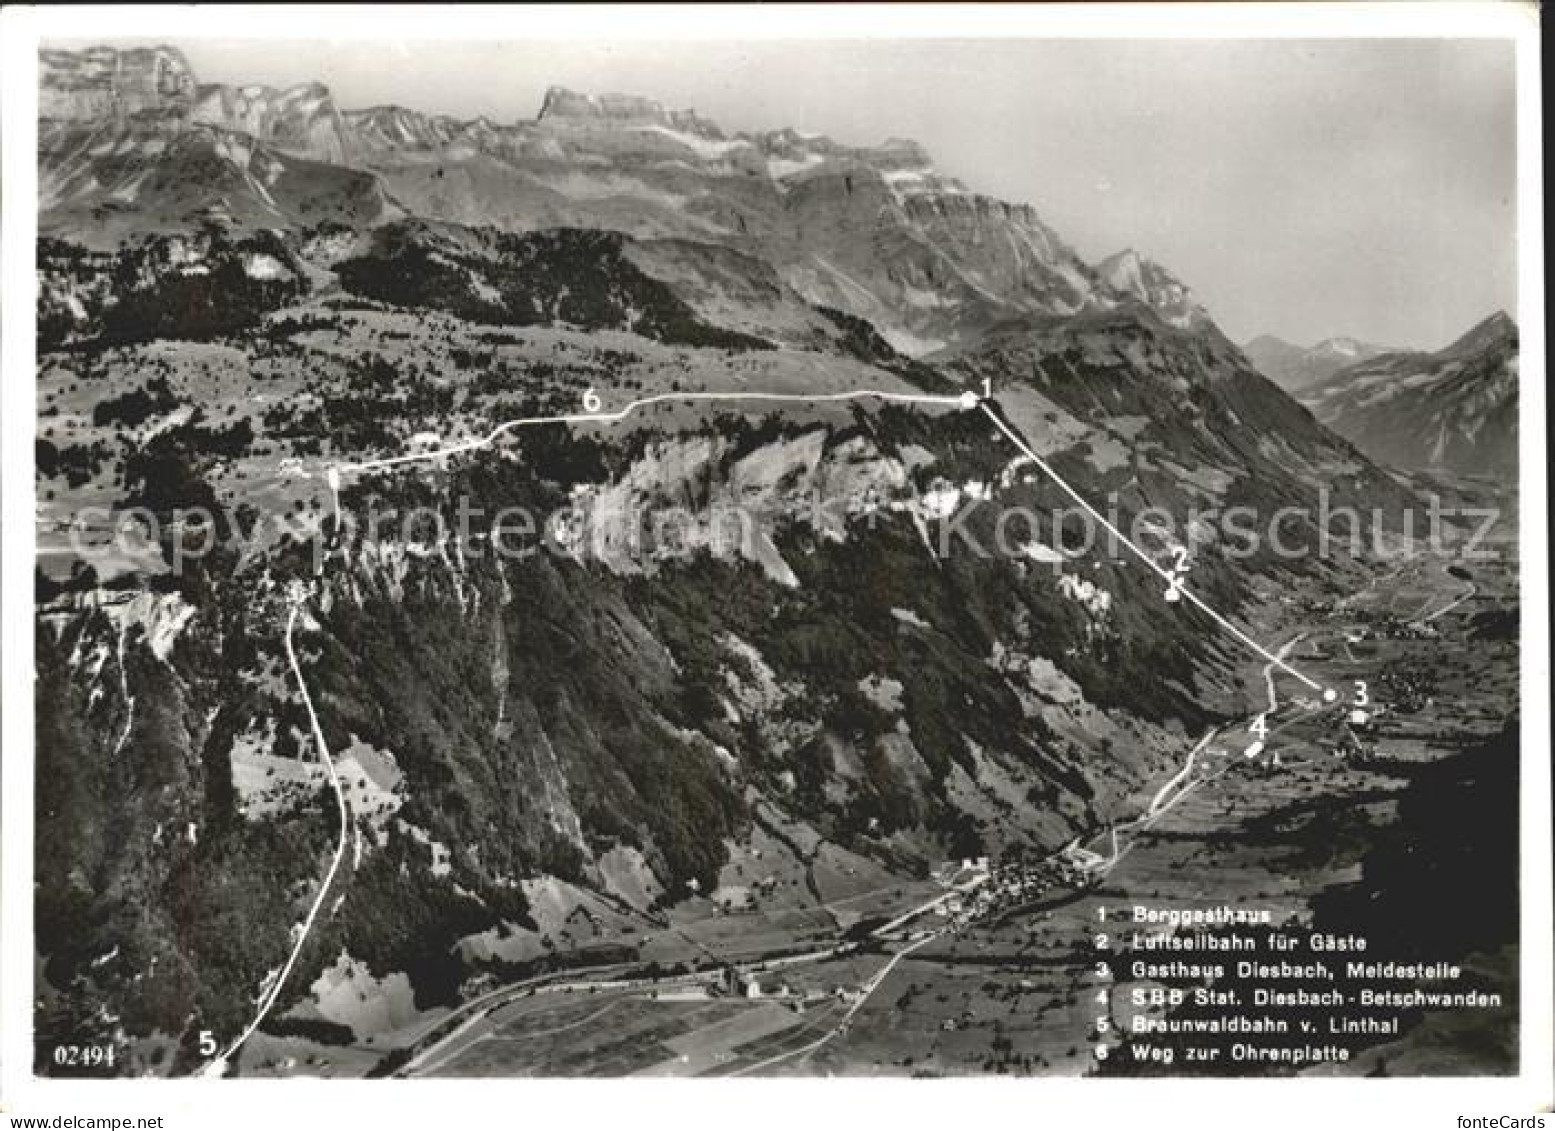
<point x="880" y="232"/>
<point x="130" y="144"/>
<point x="300" y="120"/>
<point x="563" y="107"/>
<point x="200" y="285"/>
<point x="107" y="185"/>
<point x="104" y="82"/>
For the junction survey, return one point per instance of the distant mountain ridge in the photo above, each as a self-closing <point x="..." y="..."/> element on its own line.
<point x="877" y="232"/>
<point x="1453" y="410"/>
<point x="1294" y="367"/>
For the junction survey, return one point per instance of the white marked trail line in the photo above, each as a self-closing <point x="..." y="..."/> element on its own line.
<point x="959" y="401"/>
<point x="1165" y="574"/>
<point x="268" y="1000"/>
<point x="963" y="400"/>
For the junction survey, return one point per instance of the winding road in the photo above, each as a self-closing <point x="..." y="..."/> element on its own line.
<point x="269" y="995"/>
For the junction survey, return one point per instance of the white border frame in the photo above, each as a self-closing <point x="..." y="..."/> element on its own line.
<point x="757" y="1104"/>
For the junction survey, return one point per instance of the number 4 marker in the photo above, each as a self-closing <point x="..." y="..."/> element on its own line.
<point x="1259" y="729"/>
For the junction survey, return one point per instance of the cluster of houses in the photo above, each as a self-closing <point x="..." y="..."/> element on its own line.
<point x="735" y="982"/>
<point x="981" y="889"/>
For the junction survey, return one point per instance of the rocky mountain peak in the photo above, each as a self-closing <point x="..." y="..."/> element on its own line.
<point x="1132" y="274"/>
<point x="1126" y="261"/>
<point x="1496" y="331"/>
<point x="106" y="82"/>
<point x="570" y="108"/>
<point x="308" y="91"/>
<point x="300" y="119"/>
<point x="900" y="153"/>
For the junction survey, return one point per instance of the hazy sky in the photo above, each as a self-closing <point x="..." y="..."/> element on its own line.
<point x="1303" y="188"/>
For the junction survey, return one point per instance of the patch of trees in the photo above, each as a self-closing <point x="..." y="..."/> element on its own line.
<point x="134" y="408"/>
<point x="289" y="326"/>
<point x="161" y="290"/>
<point x="401" y="919"/>
<point x="54" y="324"/>
<point x="576" y="277"/>
<point x="73" y="283"/>
<point x="1495" y="624"/>
<point x="78" y="463"/>
<point x="859" y="338"/>
<point x="196" y="307"/>
<point x="168" y="473"/>
<point x="318" y="1031"/>
<point x="1454" y="845"/>
<point x="370" y="413"/>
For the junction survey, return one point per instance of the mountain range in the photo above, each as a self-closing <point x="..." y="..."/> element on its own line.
<point x="1294" y="368"/>
<point x="132" y="144"/>
<point x="621" y="748"/>
<point x="1454" y="410"/>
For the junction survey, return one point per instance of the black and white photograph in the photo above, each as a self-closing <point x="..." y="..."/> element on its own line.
<point x="608" y="547"/>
